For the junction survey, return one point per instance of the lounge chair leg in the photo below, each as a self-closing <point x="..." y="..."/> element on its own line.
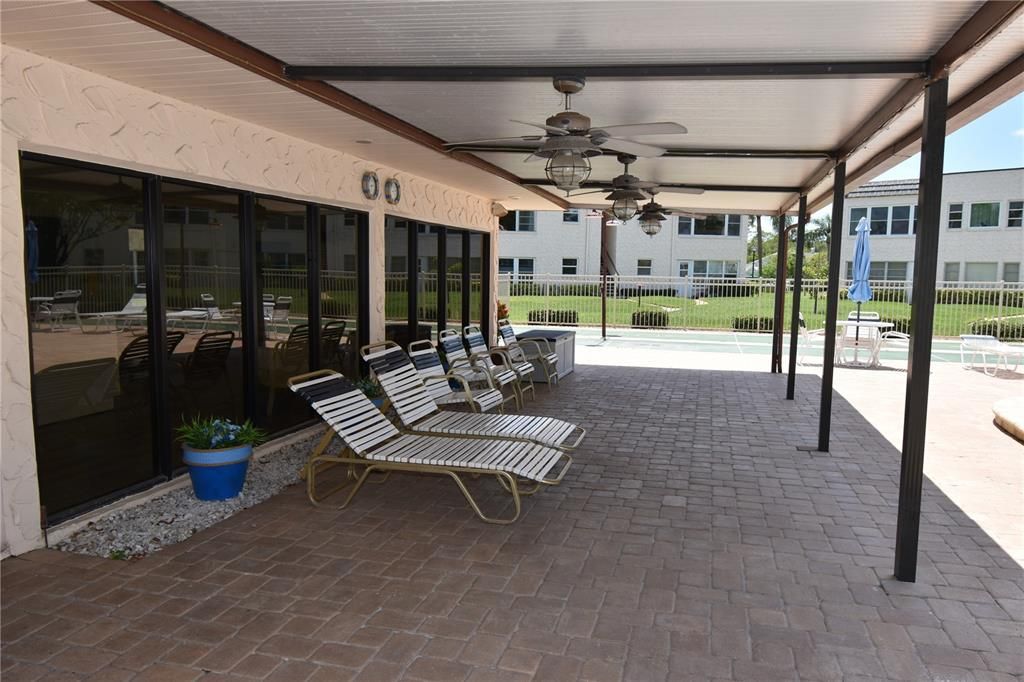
<point x="509" y="483"/>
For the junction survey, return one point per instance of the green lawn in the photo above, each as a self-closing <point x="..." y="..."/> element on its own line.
<point x="719" y="313"/>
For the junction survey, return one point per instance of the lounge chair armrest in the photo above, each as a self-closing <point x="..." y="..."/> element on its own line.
<point x="561" y="474"/>
<point x="579" y="439"/>
<point x="532" y="343"/>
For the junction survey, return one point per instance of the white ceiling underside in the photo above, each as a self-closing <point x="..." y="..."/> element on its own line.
<point x="798" y="114"/>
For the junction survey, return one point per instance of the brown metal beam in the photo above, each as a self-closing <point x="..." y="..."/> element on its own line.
<point x="982" y="25"/>
<point x="669" y="186"/>
<point x="672" y="152"/>
<point x="169" y="22"/>
<point x="493" y="73"/>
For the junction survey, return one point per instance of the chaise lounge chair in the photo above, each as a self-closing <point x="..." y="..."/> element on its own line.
<point x="523" y="369"/>
<point x="984" y="345"/>
<point x="530" y="351"/>
<point x="375" y="444"/>
<point x="473" y="369"/>
<point x="438" y="382"/>
<point x="420" y="414"/>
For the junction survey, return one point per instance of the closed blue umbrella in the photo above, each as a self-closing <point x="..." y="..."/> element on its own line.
<point x="860" y="289"/>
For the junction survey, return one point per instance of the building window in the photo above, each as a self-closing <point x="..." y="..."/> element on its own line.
<point x="684" y="267"/>
<point x="951" y="272"/>
<point x="518" y="267"/>
<point x="900" y="220"/>
<point x="855" y="215"/>
<point x="892" y="271"/>
<point x="643" y="266"/>
<point x="569" y="266"/>
<point x="519" y="221"/>
<point x="715" y="268"/>
<point x="732" y="223"/>
<point x="913" y="223"/>
<point x="571" y="216"/>
<point x="985" y="214"/>
<point x="981" y="272"/>
<point x="1015" y="214"/>
<point x="1011" y="272"/>
<point x="710" y="226"/>
<point x="879" y="220"/>
<point x="956" y="216"/>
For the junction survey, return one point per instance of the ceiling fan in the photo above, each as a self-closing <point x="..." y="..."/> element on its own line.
<point x="570" y="140"/>
<point x="627" y="190"/>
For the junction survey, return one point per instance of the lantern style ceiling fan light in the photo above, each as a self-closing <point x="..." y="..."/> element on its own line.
<point x="567" y="169"/>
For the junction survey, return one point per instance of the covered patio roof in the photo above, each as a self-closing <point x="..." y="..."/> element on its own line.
<point x="773" y="94"/>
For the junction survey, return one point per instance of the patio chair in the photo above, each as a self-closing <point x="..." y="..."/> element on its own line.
<point x="208" y="361"/>
<point x="133" y="311"/>
<point x="280" y="313"/>
<point x="810" y="339"/>
<point x="287" y="357"/>
<point x="860" y="338"/>
<point x="530" y="351"/>
<point x="375" y="444"/>
<point x="473" y="369"/>
<point x="133" y="365"/>
<point x="420" y="414"/>
<point x="985" y="346"/>
<point x="208" y="304"/>
<point x="438" y="383"/>
<point x="478" y="349"/>
<point x="63" y="306"/>
<point x="331" y="349"/>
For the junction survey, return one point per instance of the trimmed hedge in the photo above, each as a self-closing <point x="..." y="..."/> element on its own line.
<point x="715" y="290"/>
<point x="649" y="318"/>
<point x="881" y="295"/>
<point x="753" y="323"/>
<point x="639" y="292"/>
<point x="525" y="289"/>
<point x="566" y="317"/>
<point x="1007" y="330"/>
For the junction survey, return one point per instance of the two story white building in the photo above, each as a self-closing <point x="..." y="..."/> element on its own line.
<point x="569" y="243"/>
<point x="981" y="240"/>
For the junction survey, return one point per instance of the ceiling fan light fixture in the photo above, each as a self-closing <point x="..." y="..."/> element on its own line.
<point x="567" y="170"/>
<point x="567" y="143"/>
<point x="650" y="223"/>
<point x="624" y="208"/>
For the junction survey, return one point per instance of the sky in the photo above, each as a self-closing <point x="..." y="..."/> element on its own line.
<point x="995" y="140"/>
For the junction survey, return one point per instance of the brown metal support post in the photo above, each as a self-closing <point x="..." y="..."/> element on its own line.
<point x="604" y="277"/>
<point x="781" y="257"/>
<point x="835" y="247"/>
<point x="922" y="316"/>
<point x="798" y="276"/>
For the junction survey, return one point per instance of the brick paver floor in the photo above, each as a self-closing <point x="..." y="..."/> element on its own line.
<point x="693" y="539"/>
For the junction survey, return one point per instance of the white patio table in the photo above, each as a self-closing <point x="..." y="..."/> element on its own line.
<point x="872" y="333"/>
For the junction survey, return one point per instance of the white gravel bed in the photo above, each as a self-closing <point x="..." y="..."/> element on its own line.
<point x="179" y="514"/>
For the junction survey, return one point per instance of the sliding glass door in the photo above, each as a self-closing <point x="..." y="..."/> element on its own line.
<point x="89" y="320"/>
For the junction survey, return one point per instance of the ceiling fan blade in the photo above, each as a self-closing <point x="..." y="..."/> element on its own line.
<point x="533" y="158"/>
<point x="634" y="148"/>
<point x="681" y="190"/>
<point x="593" y="191"/>
<point x="631" y="130"/>
<point x="523" y="138"/>
<point x="551" y="129"/>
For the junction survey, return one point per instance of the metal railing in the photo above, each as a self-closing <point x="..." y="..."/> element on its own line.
<point x="995" y="308"/>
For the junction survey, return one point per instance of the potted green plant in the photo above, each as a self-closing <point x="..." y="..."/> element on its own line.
<point x="217" y="453"/>
<point x="372" y="390"/>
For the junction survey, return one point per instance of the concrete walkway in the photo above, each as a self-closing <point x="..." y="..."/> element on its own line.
<point x="695" y="538"/>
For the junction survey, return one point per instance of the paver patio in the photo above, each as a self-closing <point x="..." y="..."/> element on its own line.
<point x="694" y="539"/>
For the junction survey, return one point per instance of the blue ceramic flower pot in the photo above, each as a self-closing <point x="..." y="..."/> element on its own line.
<point x="217" y="474"/>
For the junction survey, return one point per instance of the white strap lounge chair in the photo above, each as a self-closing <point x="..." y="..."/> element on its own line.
<point x="375" y="444"/>
<point x="478" y="349"/>
<point x="474" y="369"/>
<point x="438" y="382"/>
<point x="133" y="312"/>
<point x="810" y="340"/>
<point x="536" y="351"/>
<point x="987" y="346"/>
<point x="62" y="306"/>
<point x="420" y="414"/>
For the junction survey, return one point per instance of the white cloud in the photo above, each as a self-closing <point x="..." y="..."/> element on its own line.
<point x="1019" y="132"/>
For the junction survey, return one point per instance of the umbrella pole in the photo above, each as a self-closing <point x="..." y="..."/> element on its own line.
<point x="856" y="336"/>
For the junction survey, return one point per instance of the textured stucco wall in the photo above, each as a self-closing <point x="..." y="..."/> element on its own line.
<point x="55" y="108"/>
